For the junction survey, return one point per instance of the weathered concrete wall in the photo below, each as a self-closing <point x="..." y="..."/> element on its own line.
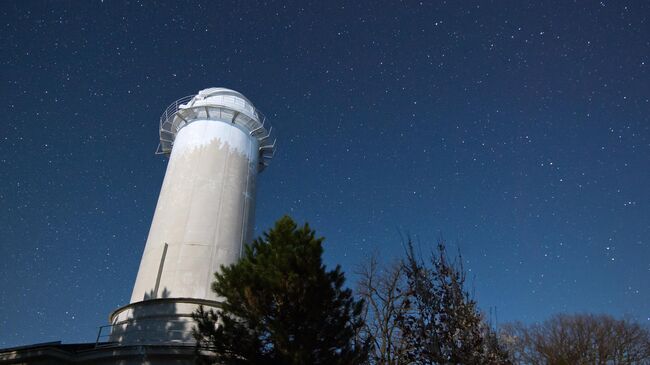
<point x="204" y="211"/>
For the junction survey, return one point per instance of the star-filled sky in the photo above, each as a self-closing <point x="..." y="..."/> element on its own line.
<point x="518" y="131"/>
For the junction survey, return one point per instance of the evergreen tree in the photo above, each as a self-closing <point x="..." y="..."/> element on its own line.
<point x="281" y="306"/>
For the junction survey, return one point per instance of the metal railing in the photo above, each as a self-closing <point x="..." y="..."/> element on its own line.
<point x="127" y="334"/>
<point x="263" y="132"/>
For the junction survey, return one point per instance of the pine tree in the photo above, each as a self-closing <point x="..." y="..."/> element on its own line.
<point x="281" y="306"/>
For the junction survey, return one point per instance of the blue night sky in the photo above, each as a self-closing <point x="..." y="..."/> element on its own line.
<point x="520" y="132"/>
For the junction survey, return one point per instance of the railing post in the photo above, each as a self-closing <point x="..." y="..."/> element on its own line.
<point x="99" y="333"/>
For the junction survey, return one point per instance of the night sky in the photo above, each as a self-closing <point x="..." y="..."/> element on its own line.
<point x="518" y="132"/>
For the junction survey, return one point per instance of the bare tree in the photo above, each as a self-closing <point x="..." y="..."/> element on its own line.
<point x="442" y="323"/>
<point x="419" y="312"/>
<point x="383" y="290"/>
<point x="578" y="339"/>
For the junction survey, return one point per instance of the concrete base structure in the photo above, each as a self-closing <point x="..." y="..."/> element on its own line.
<point x="105" y="354"/>
<point x="156" y="322"/>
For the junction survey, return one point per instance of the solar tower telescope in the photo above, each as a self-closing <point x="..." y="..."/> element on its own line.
<point x="217" y="143"/>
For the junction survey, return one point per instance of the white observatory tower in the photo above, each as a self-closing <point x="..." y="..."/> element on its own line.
<point x="218" y="143"/>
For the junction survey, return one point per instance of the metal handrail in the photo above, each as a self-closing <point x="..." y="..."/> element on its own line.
<point x="174" y="109"/>
<point x="103" y="334"/>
